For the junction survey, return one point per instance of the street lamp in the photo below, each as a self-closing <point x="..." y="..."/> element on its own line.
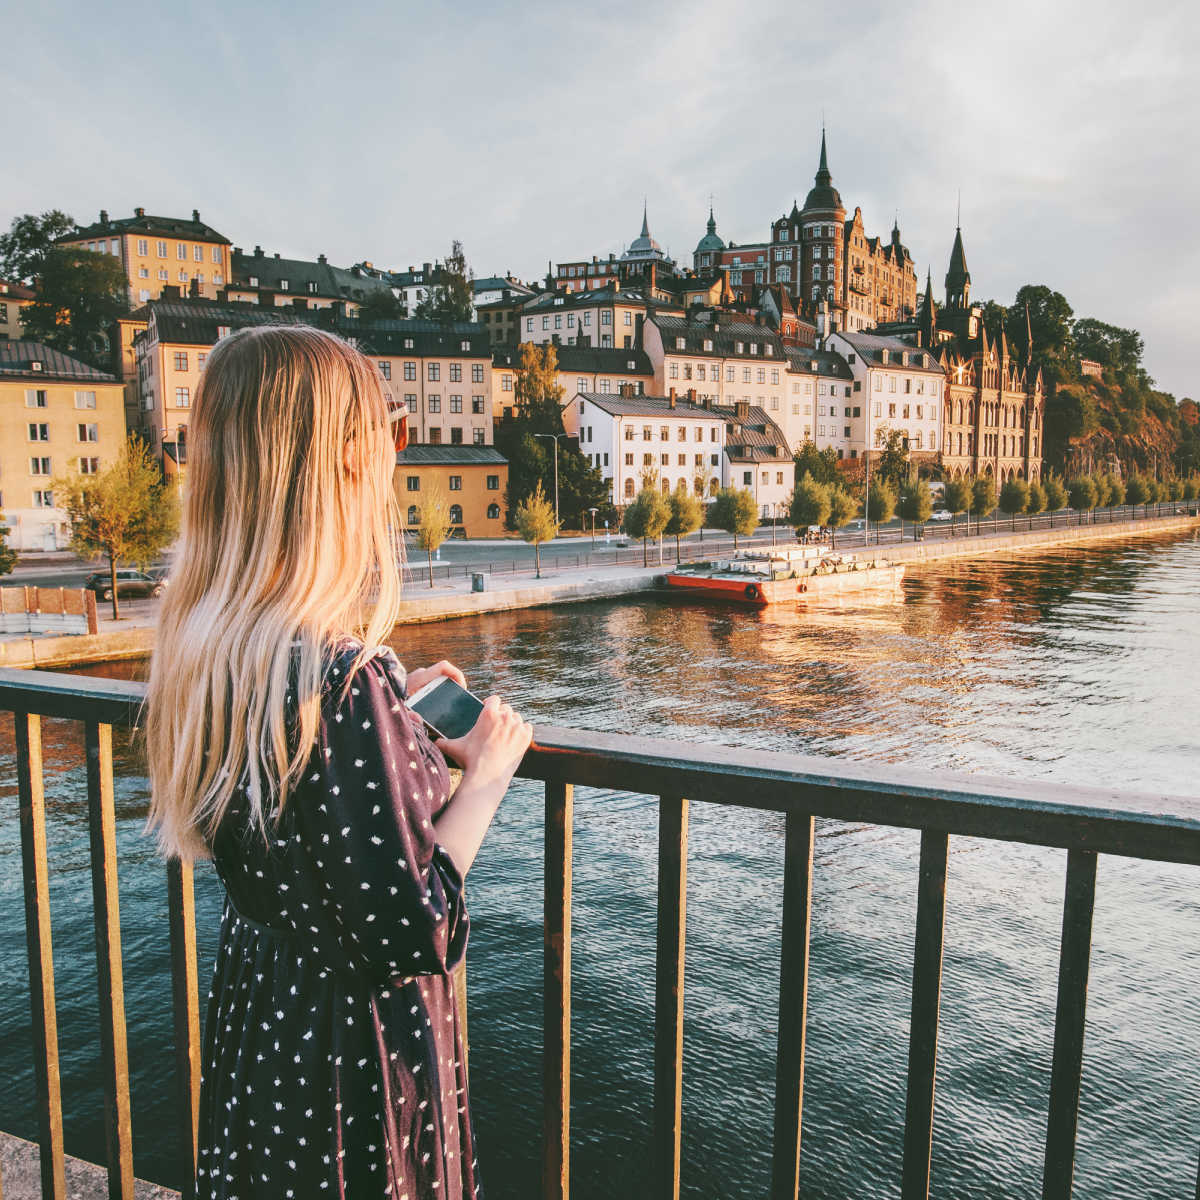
<point x="555" y="436"/>
<point x="593" y="511"/>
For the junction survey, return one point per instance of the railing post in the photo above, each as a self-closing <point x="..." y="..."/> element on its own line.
<point x="40" y="953"/>
<point x="1067" y="1068"/>
<point x="114" y="1056"/>
<point x="926" y="1002"/>
<point x="556" y="1033"/>
<point x="181" y="910"/>
<point x="668" y="1001"/>
<point x="793" y="1005"/>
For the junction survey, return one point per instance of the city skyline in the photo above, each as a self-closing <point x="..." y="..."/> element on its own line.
<point x="534" y="136"/>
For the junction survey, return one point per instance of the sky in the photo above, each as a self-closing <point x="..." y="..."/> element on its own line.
<point x="533" y="131"/>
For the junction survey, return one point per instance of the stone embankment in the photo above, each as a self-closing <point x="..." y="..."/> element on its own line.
<point x="135" y="638"/>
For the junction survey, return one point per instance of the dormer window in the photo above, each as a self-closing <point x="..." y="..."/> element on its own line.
<point x="904" y="358"/>
<point x="408" y="343"/>
<point x="708" y="345"/>
<point x="222" y="332"/>
<point x="770" y="349"/>
<point x="254" y="281"/>
<point x="741" y="347"/>
<point x="812" y="366"/>
<point x="631" y="365"/>
<point x="312" y="288"/>
<point x="283" y="285"/>
<point x="464" y="345"/>
<point x="851" y="359"/>
<point x="680" y="343"/>
<point x="883" y="357"/>
<point x="753" y="347"/>
<point x="35" y="366"/>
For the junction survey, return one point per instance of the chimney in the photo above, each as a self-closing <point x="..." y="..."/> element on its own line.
<point x="194" y="289"/>
<point x="671" y="398"/>
<point x="196" y="215"/>
<point x="743" y="410"/>
<point x="322" y="259"/>
<point x="170" y="292"/>
<point x="104" y="216"/>
<point x="691" y="395"/>
<point x="276" y="253"/>
<point x="139" y="212"/>
<point x="426" y="267"/>
<point x="639" y="326"/>
<point x="258" y="252"/>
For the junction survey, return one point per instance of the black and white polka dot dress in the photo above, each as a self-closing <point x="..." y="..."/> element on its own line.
<point x="333" y="1060"/>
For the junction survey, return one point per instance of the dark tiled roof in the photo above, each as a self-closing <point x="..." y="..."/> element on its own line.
<point x="494" y="282"/>
<point x="177" y="227"/>
<point x="428" y="338"/>
<point x="450" y="456"/>
<point x="557" y="301"/>
<point x="270" y="270"/>
<point x="869" y="346"/>
<point x="17" y="359"/>
<point x="16" y="291"/>
<point x="756" y="439"/>
<point x="725" y="333"/>
<point x="197" y="322"/>
<point x="597" y="360"/>
<point x="828" y="363"/>
<point x="649" y="406"/>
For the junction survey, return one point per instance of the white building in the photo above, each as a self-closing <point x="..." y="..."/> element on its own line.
<point x="820" y="405"/>
<point x="758" y="459"/>
<point x="626" y="436"/>
<point x="895" y="387"/>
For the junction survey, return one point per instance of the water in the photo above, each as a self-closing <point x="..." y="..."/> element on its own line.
<point x="1072" y="665"/>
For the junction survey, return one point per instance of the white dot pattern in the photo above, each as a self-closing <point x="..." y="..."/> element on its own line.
<point x="333" y="1063"/>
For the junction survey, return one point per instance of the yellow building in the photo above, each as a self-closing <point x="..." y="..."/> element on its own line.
<point x="606" y="317"/>
<point x="471" y="479"/>
<point x="157" y="252"/>
<point x="13" y="298"/>
<point x="57" y="416"/>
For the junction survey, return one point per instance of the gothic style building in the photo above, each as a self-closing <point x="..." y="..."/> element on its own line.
<point x="994" y="401"/>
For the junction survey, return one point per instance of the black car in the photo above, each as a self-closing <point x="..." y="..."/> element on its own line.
<point x="129" y="583"/>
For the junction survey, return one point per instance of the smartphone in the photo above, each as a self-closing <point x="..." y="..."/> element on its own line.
<point x="449" y="710"/>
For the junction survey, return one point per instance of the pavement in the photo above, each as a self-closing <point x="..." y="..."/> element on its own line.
<point x="21" y="1172"/>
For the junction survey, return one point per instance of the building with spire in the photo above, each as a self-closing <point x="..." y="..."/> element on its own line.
<point x="707" y="254"/>
<point x="645" y="260"/>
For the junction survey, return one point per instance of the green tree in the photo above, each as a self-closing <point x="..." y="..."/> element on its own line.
<point x="1114" y="491"/>
<point x="842" y="509"/>
<point x="1014" y="497"/>
<point x="1176" y="489"/>
<point x="1081" y="492"/>
<point x="1117" y="349"/>
<point x="983" y="496"/>
<point x="536" y="524"/>
<point x="452" y="297"/>
<point x="126" y="513"/>
<point x="1191" y="485"/>
<point x="957" y="497"/>
<point x="433" y="524"/>
<point x="891" y="462"/>
<point x="1050" y="318"/>
<point x="916" y="503"/>
<point x="881" y="501"/>
<point x="29" y="239"/>
<point x="1056" y="493"/>
<point x="822" y="465"/>
<point x="686" y="514"/>
<point x="647" y="517"/>
<point x="1153" y="491"/>
<point x="734" y="511"/>
<point x="1037" y="499"/>
<point x="809" y="504"/>
<point x="8" y="556"/>
<point x="380" y="304"/>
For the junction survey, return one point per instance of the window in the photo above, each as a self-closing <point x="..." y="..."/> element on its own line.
<point x="435" y="435"/>
<point x="730" y="374"/>
<point x="629" y="489"/>
<point x="413" y="516"/>
<point x="143" y="246"/>
<point x="198" y="253"/>
<point x="477" y="436"/>
<point x="647" y="460"/>
<point x="493" y="483"/>
<point x="183" y="397"/>
<point x="413" y="483"/>
<point x="89" y="466"/>
<point x="748" y="478"/>
<point x="410" y="370"/>
<point x="506" y="383"/>
<point x="775" y="375"/>
<point x="456" y="483"/>
<point x="664" y="433"/>
<point x="87" y="433"/>
<point x="606" y="317"/>
<point x="629" y="460"/>
<point x="39" y="466"/>
<point x="434" y="372"/>
<point x="385" y="369"/>
<point x="43" y="499"/>
<point x="715" y="460"/>
<point x="181" y="360"/>
<point x="629" y="433"/>
<point x="162" y="249"/>
<point x="410" y="398"/>
<point x="760" y="375"/>
<point x="434" y="404"/>
<point x="456" y="404"/>
<point x="216" y="255"/>
<point x="143" y="272"/>
<point x="456" y="516"/>
<point x="183" y="276"/>
<point x="36" y="398"/>
<point x="674" y="370"/>
<point x="545" y="322"/>
<point x="878" y="385"/>
<point x="283" y="285"/>
<point x="39" y="432"/>
<point x="647" y="433"/>
<point x="456" y="372"/>
<point x="528" y="324"/>
<point x="477" y="372"/>
<point x="846" y="431"/>
<point x="163" y="275"/>
<point x="181" y="251"/>
<point x="666" y="460"/>
<point x="477" y="405"/>
<point x="85" y="399"/>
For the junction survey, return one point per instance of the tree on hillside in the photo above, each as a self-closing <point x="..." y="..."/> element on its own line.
<point x="79" y="295"/>
<point x="452" y="298"/>
<point x="1050" y="318"/>
<point x="433" y="524"/>
<point x="810" y="504"/>
<point x="126" y="513"/>
<point x="1118" y="349"/>
<point x="536" y="524"/>
<point x="647" y="518"/>
<point x="821" y="465"/>
<point x="734" y="511"/>
<point x="29" y="239"/>
<point x="686" y="514"/>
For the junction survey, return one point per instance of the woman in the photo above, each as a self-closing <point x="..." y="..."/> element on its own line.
<point x="279" y="744"/>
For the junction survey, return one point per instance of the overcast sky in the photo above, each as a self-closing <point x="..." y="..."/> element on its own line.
<point x="532" y="132"/>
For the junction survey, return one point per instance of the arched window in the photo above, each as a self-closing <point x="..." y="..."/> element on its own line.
<point x="816" y="271"/>
<point x="456" y="514"/>
<point x="181" y="445"/>
<point x="829" y="294"/>
<point x="493" y="512"/>
<point x="816" y="293"/>
<point x="413" y="519"/>
<point x="666" y="487"/>
<point x="629" y="488"/>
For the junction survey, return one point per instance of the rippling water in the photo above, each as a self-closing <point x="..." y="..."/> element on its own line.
<point x="1073" y="666"/>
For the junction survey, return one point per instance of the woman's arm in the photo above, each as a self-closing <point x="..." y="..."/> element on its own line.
<point x="489" y="756"/>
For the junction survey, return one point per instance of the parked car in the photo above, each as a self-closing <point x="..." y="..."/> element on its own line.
<point x="942" y="514"/>
<point x="129" y="583"/>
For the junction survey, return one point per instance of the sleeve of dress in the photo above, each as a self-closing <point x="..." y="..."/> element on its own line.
<point x="394" y="894"/>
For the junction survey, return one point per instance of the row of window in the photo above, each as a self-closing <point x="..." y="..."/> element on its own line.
<point x="181" y="250"/>
<point x="665" y="460"/>
<point x="42" y="466"/>
<point x="433" y="435"/>
<point x="39" y="431"/>
<point x="664" y="433"/>
<point x="908" y="387"/>
<point x="38" y="398"/>
<point x="413" y="483"/>
<point x="433" y="404"/>
<point x="606" y="318"/>
<point x="456" y="514"/>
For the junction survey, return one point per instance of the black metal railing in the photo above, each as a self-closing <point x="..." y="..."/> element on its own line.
<point x="1085" y="822"/>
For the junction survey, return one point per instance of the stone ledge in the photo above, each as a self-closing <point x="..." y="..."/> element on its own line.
<point x="20" y="1169"/>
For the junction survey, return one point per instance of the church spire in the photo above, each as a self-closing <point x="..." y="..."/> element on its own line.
<point x="958" y="278"/>
<point x="712" y="221"/>
<point x="927" y="320"/>
<point x="1028" y="338"/>
<point x="645" y="221"/>
<point x="823" y="169"/>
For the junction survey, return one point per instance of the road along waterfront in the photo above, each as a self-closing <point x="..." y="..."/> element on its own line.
<point x="1064" y="665"/>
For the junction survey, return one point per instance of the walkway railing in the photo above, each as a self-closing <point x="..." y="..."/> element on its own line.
<point x="1084" y="822"/>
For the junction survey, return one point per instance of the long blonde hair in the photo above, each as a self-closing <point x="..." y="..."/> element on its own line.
<point x="289" y="540"/>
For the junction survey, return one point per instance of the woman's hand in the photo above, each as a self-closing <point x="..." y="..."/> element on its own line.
<point x="416" y="680"/>
<point x="493" y="749"/>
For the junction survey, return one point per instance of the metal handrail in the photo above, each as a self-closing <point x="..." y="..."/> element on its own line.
<point x="1082" y="820"/>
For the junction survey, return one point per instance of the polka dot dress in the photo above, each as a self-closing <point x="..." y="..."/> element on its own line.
<point x="333" y="1063"/>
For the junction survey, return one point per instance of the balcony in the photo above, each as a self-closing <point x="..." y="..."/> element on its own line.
<point x="1084" y="822"/>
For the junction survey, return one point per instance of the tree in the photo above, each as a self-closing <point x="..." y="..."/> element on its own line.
<point x="452" y="298"/>
<point x="1190" y="487"/>
<point x="1037" y="499"/>
<point x="380" y="304"/>
<point x="891" y="462"/>
<point x="1056" y="493"/>
<point x="647" y="517"/>
<point x="1014" y="497"/>
<point x="1082" y="493"/>
<point x="686" y="514"/>
<point x="842" y="508"/>
<point x="822" y="465"/>
<point x="1114" y="491"/>
<point x="29" y="239"/>
<point x="957" y="497"/>
<point x="983" y="496"/>
<point x="881" y="501"/>
<point x="734" y="511"/>
<point x="536" y="524"/>
<point x="1119" y="350"/>
<point x="1176" y="486"/>
<point x="8" y="556"/>
<point x="1050" y="319"/>
<point x="433" y="524"/>
<point x="916" y="503"/>
<point x="126" y="513"/>
<point x="1152" y="491"/>
<point x="809" y="504"/>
